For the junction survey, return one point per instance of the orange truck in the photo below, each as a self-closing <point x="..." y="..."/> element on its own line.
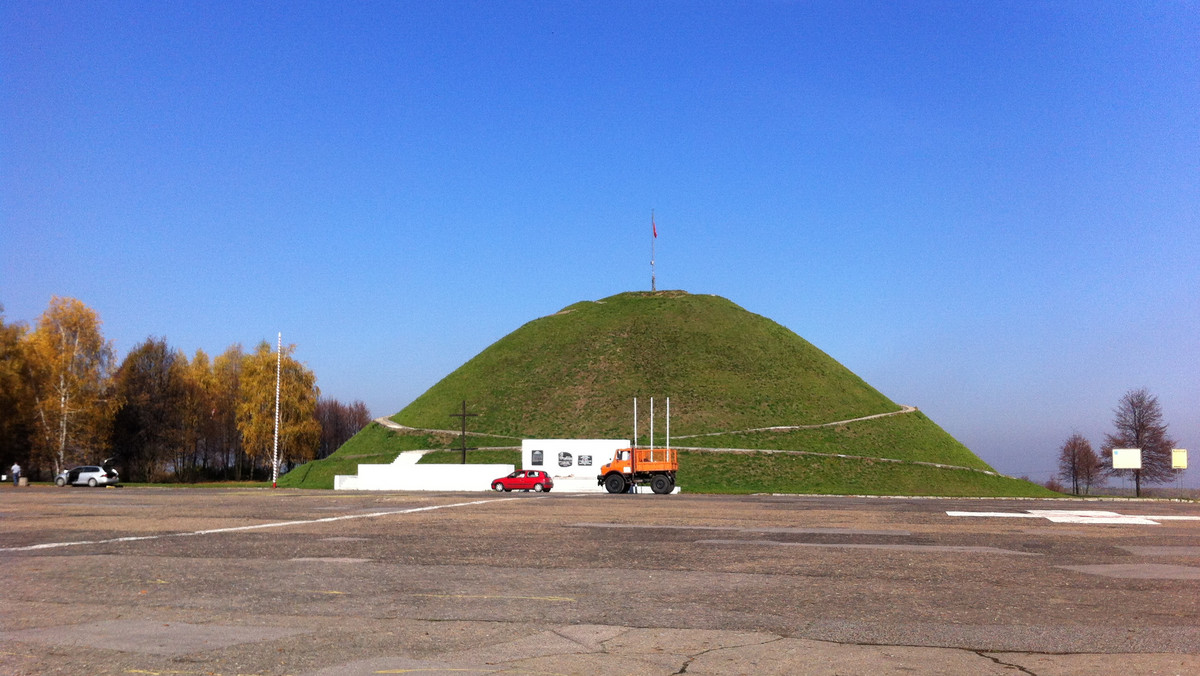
<point x="632" y="466"/>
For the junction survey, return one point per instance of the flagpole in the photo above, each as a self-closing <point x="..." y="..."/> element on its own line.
<point x="653" y="237"/>
<point x="275" y="453"/>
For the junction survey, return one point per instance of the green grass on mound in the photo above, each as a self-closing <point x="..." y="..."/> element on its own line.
<point x="375" y="439"/>
<point x="476" y="457"/>
<point x="733" y="473"/>
<point x="575" y="373"/>
<point x="908" y="436"/>
<point x="699" y="472"/>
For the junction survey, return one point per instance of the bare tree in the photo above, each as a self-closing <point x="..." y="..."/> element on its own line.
<point x="1091" y="471"/>
<point x="1139" y="424"/>
<point x="1079" y="464"/>
<point x="1055" y="485"/>
<point x="339" y="422"/>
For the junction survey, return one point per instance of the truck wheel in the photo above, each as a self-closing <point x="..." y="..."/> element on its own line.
<point x="661" y="484"/>
<point x="614" y="483"/>
<point x="538" y="488"/>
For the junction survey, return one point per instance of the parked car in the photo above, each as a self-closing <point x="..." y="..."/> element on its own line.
<point x="524" y="480"/>
<point x="89" y="475"/>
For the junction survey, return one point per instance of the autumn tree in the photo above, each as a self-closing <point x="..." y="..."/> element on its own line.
<point x="70" y="368"/>
<point x="202" y="453"/>
<point x="1079" y="464"/>
<point x="299" y="431"/>
<point x="226" y="389"/>
<point x="16" y="400"/>
<point x="339" y="422"/>
<point x="149" y="430"/>
<point x="1138" y="423"/>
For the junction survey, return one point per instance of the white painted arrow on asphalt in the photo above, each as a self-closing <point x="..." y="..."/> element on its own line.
<point x="1082" y="516"/>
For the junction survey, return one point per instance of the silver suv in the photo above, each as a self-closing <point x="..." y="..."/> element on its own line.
<point x="89" y="475"/>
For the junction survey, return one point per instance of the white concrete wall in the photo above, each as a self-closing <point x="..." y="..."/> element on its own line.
<point x="403" y="477"/>
<point x="579" y="458"/>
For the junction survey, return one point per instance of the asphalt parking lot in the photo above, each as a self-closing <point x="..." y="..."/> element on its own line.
<point x="229" y="581"/>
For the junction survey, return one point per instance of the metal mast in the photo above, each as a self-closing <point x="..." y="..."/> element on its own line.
<point x="653" y="238"/>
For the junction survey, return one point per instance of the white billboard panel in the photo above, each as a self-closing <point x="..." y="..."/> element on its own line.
<point x="562" y="458"/>
<point x="1179" y="458"/>
<point x="1127" y="458"/>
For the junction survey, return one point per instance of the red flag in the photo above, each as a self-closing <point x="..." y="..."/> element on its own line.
<point x="653" y="228"/>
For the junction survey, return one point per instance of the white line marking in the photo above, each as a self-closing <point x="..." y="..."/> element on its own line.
<point x="1013" y="515"/>
<point x="1082" y="516"/>
<point x="956" y="549"/>
<point x="233" y="529"/>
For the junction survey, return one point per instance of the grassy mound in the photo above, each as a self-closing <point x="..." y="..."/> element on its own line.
<point x="575" y="373"/>
<point x="741" y="472"/>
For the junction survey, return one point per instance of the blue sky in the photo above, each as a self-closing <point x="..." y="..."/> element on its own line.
<point x="990" y="211"/>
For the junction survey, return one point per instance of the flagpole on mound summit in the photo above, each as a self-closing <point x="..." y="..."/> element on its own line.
<point x="653" y="237"/>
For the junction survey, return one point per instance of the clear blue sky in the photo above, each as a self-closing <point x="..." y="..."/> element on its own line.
<point x="990" y="211"/>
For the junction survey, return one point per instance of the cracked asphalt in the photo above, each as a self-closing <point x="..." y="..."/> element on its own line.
<point x="233" y="581"/>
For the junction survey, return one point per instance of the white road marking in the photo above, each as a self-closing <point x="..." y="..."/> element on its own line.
<point x="799" y="531"/>
<point x="1082" y="516"/>
<point x="956" y="549"/>
<point x="234" y="529"/>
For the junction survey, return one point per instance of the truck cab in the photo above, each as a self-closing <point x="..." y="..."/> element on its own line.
<point x="630" y="466"/>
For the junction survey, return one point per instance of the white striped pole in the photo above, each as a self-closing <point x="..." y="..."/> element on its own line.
<point x="278" y="368"/>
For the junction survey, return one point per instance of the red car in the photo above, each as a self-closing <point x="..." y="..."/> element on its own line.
<point x="524" y="480"/>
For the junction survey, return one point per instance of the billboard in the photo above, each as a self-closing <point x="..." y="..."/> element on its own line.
<point x="1127" y="458"/>
<point x="569" y="457"/>
<point x="1178" y="458"/>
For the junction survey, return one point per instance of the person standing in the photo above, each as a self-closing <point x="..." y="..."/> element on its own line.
<point x="16" y="472"/>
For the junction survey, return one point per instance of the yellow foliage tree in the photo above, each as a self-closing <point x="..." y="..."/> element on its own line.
<point x="70" y="367"/>
<point x="299" y="431"/>
<point x="16" y="401"/>
<point x="227" y="373"/>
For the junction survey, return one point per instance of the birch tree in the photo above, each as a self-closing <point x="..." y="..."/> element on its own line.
<point x="70" y="368"/>
<point x="299" y="431"/>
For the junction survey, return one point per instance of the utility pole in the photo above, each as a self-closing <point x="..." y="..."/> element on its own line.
<point x="653" y="239"/>
<point x="463" y="436"/>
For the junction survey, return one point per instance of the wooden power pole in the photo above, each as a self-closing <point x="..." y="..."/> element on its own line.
<point x="463" y="436"/>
